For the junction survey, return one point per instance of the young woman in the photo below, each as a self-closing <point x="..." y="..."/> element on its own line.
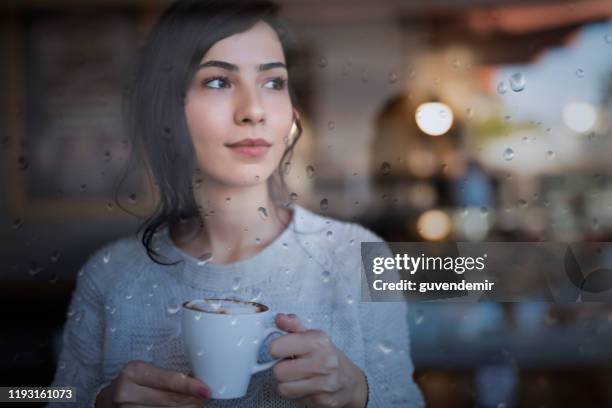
<point x="214" y="113"/>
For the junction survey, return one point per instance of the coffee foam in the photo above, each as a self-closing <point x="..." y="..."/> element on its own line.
<point x="226" y="307"/>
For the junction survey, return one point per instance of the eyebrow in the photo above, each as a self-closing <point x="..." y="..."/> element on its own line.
<point x="232" y="67"/>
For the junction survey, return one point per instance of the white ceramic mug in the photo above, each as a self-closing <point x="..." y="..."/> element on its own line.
<point x="222" y="339"/>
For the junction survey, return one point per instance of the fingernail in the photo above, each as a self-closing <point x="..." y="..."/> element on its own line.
<point x="204" y="392"/>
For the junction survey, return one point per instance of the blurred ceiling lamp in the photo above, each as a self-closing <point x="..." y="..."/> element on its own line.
<point x="579" y="116"/>
<point x="434" y="225"/>
<point x="434" y="118"/>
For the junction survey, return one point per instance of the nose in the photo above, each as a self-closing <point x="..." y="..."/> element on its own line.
<point x="250" y="109"/>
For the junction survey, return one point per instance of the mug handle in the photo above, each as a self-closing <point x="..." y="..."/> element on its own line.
<point x="264" y="366"/>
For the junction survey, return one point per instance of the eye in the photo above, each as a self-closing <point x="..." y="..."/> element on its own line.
<point x="278" y="83"/>
<point x="217" y="82"/>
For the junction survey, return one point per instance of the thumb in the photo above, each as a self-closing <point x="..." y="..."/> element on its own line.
<point x="290" y="323"/>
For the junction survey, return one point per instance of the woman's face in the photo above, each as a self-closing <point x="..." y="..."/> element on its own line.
<point x="240" y="92"/>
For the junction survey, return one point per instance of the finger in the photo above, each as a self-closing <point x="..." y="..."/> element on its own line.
<point x="290" y="323"/>
<point x="291" y="345"/>
<point x="148" y="375"/>
<point x="314" y="385"/>
<point x="304" y="367"/>
<point x="138" y="394"/>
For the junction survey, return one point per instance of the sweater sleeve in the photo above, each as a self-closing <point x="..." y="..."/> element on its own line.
<point x="80" y="360"/>
<point x="388" y="367"/>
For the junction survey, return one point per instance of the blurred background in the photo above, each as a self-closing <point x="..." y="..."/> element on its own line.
<point x="439" y="120"/>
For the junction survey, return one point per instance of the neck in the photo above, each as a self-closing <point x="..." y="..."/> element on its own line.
<point x="235" y="222"/>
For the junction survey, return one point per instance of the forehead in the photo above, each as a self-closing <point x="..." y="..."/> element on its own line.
<point x="259" y="44"/>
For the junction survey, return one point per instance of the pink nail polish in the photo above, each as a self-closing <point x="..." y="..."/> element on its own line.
<point x="204" y="392"/>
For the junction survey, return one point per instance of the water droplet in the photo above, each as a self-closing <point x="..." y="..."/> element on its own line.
<point x="200" y="353"/>
<point x="502" y="88"/>
<point x="595" y="223"/>
<point x="205" y="258"/>
<point x="349" y="299"/>
<point x="236" y="284"/>
<point x="240" y="341"/>
<point x="484" y="211"/>
<point x="55" y="256"/>
<point x="128" y="296"/>
<point x="385" y="169"/>
<point x="109" y="206"/>
<point x="62" y="365"/>
<point x="263" y="213"/>
<point x="508" y="154"/>
<point x="197" y="316"/>
<point x="329" y="234"/>
<point x="419" y="316"/>
<point x="325" y="275"/>
<point x="34" y="269"/>
<point x="23" y="162"/>
<point x="113" y="329"/>
<point x="331" y="125"/>
<point x="392" y="77"/>
<point x="352" y="242"/>
<point x="580" y="73"/>
<point x="256" y="295"/>
<point x="285" y="246"/>
<point x="222" y="389"/>
<point x="132" y="198"/>
<point x="149" y="347"/>
<point x="384" y="348"/>
<point x="517" y="82"/>
<point x="324" y="204"/>
<point x="17" y="223"/>
<point x="522" y="204"/>
<point x="257" y="240"/>
<point x="228" y="199"/>
<point x="310" y="171"/>
<point x="608" y="38"/>
<point x="287" y="167"/>
<point x="322" y="62"/>
<point x="106" y="257"/>
<point x="293" y="196"/>
<point x="550" y="154"/>
<point x="234" y="321"/>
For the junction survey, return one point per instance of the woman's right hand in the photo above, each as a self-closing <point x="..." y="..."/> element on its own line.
<point x="140" y="384"/>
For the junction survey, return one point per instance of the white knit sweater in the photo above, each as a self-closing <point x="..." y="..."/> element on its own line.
<point x="126" y="307"/>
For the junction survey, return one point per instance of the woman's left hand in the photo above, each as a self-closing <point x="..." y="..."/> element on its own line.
<point x="315" y="372"/>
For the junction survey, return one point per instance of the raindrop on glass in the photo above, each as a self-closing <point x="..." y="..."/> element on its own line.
<point x="23" y="162"/>
<point x="384" y="348"/>
<point x="580" y="73"/>
<point x="331" y="125"/>
<point x="132" y="198"/>
<point x="109" y="206"/>
<point x="197" y="316"/>
<point x="502" y="88"/>
<point x="256" y="295"/>
<point x="293" y="196"/>
<point x="205" y="258"/>
<point x="240" y="341"/>
<point x="522" y="203"/>
<point x="285" y="246"/>
<point x="517" y="82"/>
<point x="17" y="223"/>
<point x="106" y="257"/>
<point x="325" y="275"/>
<point x="550" y="154"/>
<point x="484" y="211"/>
<point x="200" y="353"/>
<point x="392" y="77"/>
<point x="128" y="296"/>
<point x="34" y="269"/>
<point x="263" y="213"/>
<point x="236" y="284"/>
<point x="322" y="62"/>
<point x="310" y="171"/>
<point x="385" y="169"/>
<point x="508" y="154"/>
<point x="55" y="256"/>
<point x="608" y="38"/>
<point x="349" y="299"/>
<point x="419" y="316"/>
<point x="329" y="234"/>
<point x="324" y="204"/>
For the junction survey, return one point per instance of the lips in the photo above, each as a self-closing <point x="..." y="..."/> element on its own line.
<point x="250" y="147"/>
<point x="250" y="142"/>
